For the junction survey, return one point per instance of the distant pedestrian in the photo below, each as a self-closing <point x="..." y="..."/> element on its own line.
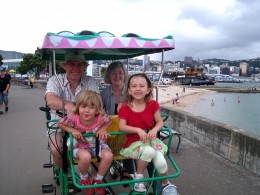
<point x="225" y="99"/>
<point x="4" y="86"/>
<point x="8" y="76"/>
<point x="212" y="103"/>
<point x="31" y="81"/>
<point x="183" y="89"/>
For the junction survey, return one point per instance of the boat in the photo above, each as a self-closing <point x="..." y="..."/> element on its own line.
<point x="195" y="76"/>
<point x="222" y="78"/>
<point x="197" y="81"/>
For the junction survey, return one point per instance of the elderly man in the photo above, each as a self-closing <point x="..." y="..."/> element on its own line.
<point x="74" y="81"/>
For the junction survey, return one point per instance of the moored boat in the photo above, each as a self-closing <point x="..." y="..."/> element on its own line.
<point x="195" y="76"/>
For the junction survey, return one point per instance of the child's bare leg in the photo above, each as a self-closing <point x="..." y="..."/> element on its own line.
<point x="106" y="160"/>
<point x="84" y="161"/>
<point x="165" y="181"/>
<point x="141" y="166"/>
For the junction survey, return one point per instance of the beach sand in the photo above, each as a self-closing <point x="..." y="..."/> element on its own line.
<point x="167" y="93"/>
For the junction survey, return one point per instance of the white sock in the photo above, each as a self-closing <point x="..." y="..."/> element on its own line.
<point x="165" y="184"/>
<point x="139" y="176"/>
<point x="99" y="177"/>
<point x="83" y="177"/>
<point x="132" y="175"/>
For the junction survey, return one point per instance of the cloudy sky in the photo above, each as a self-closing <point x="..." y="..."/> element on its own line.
<point x="226" y="29"/>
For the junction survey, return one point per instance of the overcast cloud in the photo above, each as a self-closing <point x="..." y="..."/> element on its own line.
<point x="226" y="29"/>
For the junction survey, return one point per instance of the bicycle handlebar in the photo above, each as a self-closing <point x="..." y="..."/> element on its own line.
<point x="48" y="110"/>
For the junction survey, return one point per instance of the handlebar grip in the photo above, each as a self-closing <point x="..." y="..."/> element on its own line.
<point x="44" y="109"/>
<point x="48" y="110"/>
<point x="59" y="113"/>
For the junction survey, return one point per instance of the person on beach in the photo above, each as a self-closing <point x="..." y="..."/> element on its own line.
<point x="74" y="81"/>
<point x="139" y="113"/>
<point x="112" y="96"/>
<point x="88" y="117"/>
<point x="176" y="99"/>
<point x="212" y="103"/>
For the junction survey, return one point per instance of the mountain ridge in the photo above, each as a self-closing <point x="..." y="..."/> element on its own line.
<point x="11" y="54"/>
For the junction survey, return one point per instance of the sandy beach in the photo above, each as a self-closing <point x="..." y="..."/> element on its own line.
<point x="167" y="93"/>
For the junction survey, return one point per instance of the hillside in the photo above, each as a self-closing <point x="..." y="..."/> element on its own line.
<point x="11" y="54"/>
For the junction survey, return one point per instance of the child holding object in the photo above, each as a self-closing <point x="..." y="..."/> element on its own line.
<point x="89" y="117"/>
<point x="139" y="113"/>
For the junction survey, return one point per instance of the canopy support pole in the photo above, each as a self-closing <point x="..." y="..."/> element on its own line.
<point x="157" y="87"/>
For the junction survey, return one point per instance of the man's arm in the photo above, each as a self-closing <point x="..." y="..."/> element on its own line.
<point x="55" y="103"/>
<point x="6" y="89"/>
<point x="9" y="83"/>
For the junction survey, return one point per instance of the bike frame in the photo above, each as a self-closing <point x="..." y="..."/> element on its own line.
<point x="102" y="46"/>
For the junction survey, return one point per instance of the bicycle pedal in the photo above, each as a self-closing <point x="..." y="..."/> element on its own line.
<point x="75" y="190"/>
<point x="47" y="165"/>
<point x="48" y="188"/>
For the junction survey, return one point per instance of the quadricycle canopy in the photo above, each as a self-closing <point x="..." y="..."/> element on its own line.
<point x="102" y="45"/>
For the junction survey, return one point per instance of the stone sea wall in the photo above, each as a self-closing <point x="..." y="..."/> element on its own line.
<point x="231" y="143"/>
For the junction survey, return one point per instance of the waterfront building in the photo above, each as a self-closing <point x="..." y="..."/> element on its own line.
<point x="12" y="63"/>
<point x="244" y="69"/>
<point x="188" y="62"/>
<point x="214" y="70"/>
<point x="225" y="70"/>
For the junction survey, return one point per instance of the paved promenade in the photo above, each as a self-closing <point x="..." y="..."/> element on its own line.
<point x="22" y="153"/>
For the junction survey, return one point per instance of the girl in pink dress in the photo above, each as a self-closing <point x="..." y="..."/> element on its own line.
<point x="89" y="117"/>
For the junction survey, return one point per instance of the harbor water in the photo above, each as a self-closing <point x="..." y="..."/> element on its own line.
<point x="240" y="110"/>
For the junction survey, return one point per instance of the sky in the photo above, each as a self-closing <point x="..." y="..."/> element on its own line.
<point x="202" y="29"/>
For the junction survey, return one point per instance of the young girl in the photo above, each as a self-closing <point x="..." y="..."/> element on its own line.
<point x="140" y="112"/>
<point x="89" y="117"/>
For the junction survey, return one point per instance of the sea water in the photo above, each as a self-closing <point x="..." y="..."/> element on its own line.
<point x="240" y="110"/>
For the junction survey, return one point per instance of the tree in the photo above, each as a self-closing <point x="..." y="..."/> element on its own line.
<point x="31" y="62"/>
<point x="1" y="60"/>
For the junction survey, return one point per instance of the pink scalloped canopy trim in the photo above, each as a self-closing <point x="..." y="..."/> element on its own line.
<point x="58" y="42"/>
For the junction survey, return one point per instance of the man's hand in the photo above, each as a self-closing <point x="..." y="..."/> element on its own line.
<point x="69" y="107"/>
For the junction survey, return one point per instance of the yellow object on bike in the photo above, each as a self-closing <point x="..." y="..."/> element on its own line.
<point x="32" y="80"/>
<point x="114" y="126"/>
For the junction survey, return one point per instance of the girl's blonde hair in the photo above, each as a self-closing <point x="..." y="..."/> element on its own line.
<point x="89" y="98"/>
<point x="148" y="97"/>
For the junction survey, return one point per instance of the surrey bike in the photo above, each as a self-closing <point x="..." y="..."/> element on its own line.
<point x="103" y="46"/>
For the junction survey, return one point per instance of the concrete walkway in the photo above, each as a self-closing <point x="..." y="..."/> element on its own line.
<point x="22" y="153"/>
